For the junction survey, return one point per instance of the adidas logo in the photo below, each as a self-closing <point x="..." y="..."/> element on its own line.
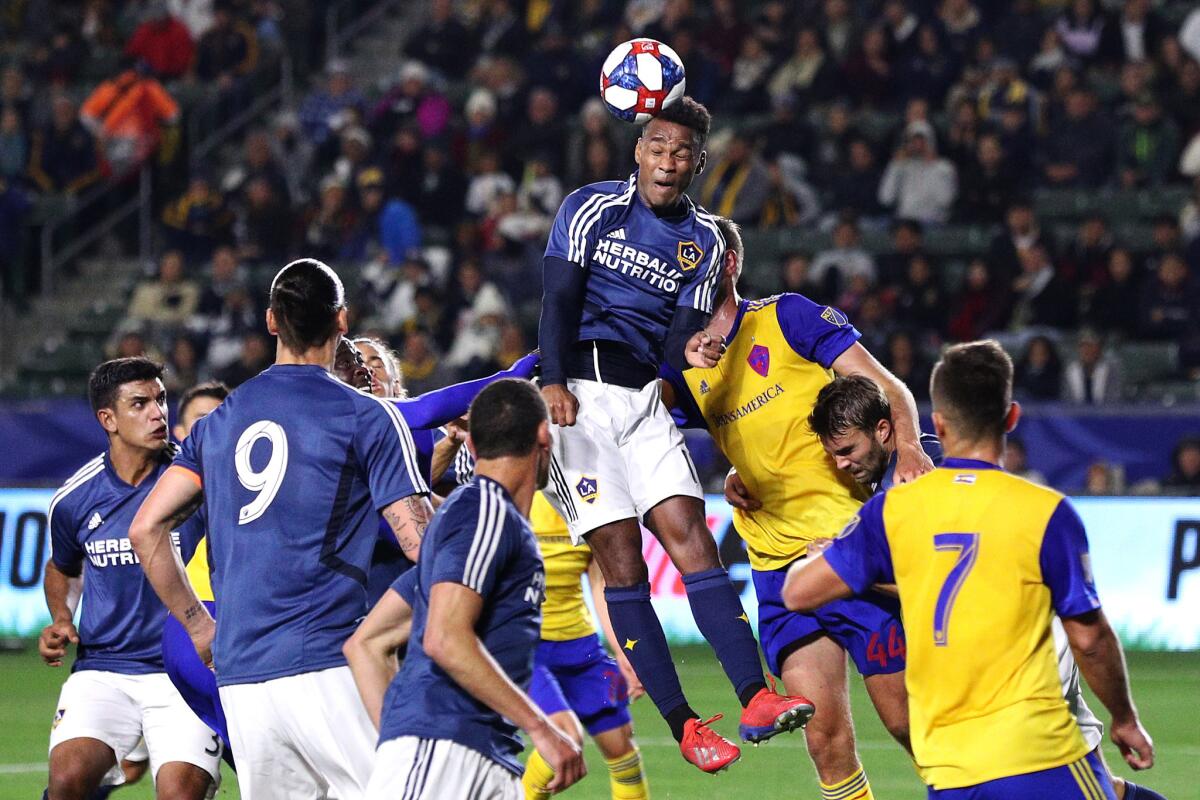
<point x="705" y="755"/>
<point x="704" y="389"/>
<point x="95" y="521"/>
<point x="619" y="233"/>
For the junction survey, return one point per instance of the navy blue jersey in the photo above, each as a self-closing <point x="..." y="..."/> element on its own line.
<point x="295" y="466"/>
<point x="478" y="539"/>
<point x="640" y="266"/>
<point x="932" y="447"/>
<point x="121" y="619"/>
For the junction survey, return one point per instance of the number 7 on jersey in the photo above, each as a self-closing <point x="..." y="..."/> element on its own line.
<point x="967" y="545"/>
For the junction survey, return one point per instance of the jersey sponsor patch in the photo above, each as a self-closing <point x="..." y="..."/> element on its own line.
<point x="850" y="526"/>
<point x="834" y="317"/>
<point x="689" y="255"/>
<point x="759" y="359"/>
<point x="588" y="489"/>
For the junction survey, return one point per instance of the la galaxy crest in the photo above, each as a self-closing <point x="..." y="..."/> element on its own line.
<point x="588" y="489"/>
<point x="759" y="359"/>
<point x="689" y="255"/>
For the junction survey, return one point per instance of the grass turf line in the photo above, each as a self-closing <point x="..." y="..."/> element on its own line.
<point x="1165" y="687"/>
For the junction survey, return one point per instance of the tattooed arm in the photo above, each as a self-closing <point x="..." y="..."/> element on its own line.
<point x="173" y="499"/>
<point x="408" y="518"/>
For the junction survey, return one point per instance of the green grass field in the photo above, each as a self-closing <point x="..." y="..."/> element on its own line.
<point x="1166" y="686"/>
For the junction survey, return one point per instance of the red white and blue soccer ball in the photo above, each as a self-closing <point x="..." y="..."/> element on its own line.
<point x="640" y="78"/>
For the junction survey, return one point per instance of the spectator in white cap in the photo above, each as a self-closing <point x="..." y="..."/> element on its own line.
<point x="917" y="184"/>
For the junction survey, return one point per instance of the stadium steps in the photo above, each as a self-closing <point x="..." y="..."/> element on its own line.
<point x="71" y="330"/>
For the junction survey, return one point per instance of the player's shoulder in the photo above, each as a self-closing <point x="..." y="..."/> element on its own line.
<point x="76" y="489"/>
<point x="797" y="306"/>
<point x="480" y="505"/>
<point x="597" y="192"/>
<point x="1028" y="492"/>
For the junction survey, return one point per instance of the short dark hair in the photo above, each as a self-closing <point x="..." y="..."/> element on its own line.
<point x="690" y="114"/>
<point x="107" y="379"/>
<point x="846" y="403"/>
<point x="732" y="233"/>
<point x="972" y="386"/>
<point x="505" y="417"/>
<point x="215" y="389"/>
<point x="306" y="296"/>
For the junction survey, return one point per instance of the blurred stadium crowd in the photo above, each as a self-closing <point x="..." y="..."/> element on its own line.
<point x="940" y="170"/>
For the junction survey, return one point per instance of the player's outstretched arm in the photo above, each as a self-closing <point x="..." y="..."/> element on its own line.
<point x="371" y="650"/>
<point x="1098" y="652"/>
<point x="812" y="583"/>
<point x="911" y="460"/>
<point x="173" y="499"/>
<point x="450" y="640"/>
<point x="440" y="406"/>
<point x="596" y="584"/>
<point x="409" y="518"/>
<point x="564" y="286"/>
<point x="62" y="598"/>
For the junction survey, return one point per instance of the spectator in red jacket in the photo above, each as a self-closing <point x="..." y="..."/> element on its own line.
<point x="163" y="42"/>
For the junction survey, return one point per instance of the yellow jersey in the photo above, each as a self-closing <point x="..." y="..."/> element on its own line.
<point x="755" y="403"/>
<point x="982" y="560"/>
<point x="197" y="571"/>
<point x="565" y="615"/>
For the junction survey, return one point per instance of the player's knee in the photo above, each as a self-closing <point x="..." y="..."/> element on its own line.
<point x="830" y="748"/>
<point x="71" y="782"/>
<point x="188" y="782"/>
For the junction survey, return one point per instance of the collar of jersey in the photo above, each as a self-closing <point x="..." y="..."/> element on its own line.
<point x="482" y="478"/>
<point x="968" y="463"/>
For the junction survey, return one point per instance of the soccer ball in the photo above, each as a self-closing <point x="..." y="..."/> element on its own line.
<point x="640" y="78"/>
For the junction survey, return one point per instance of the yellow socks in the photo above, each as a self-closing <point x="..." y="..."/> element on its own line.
<point x="537" y="775"/>
<point x="855" y="787"/>
<point x="626" y="776"/>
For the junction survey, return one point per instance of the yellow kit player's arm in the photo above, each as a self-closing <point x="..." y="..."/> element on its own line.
<point x="911" y="458"/>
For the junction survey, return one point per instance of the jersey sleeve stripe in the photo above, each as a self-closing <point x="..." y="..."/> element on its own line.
<point x="85" y="474"/>
<point x="187" y="473"/>
<point x="487" y="537"/>
<point x="702" y="300"/>
<point x="598" y="212"/>
<point x="82" y="476"/>
<point x="574" y="248"/>
<point x="407" y="445"/>
<point x="494" y="542"/>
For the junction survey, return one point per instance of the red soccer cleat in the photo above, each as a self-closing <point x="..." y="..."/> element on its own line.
<point x="770" y="714"/>
<point x="707" y="749"/>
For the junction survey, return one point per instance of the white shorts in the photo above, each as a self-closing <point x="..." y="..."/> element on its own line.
<point x="1068" y="672"/>
<point x="409" y="768"/>
<point x="120" y="710"/>
<point x="302" y="737"/>
<point x="621" y="458"/>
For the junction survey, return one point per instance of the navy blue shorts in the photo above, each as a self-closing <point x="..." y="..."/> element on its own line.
<point x="579" y="675"/>
<point x="866" y="627"/>
<point x="195" y="682"/>
<point x="1085" y="779"/>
